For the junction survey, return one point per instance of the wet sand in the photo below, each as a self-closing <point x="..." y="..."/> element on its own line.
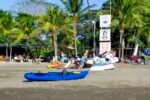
<point x="125" y="82"/>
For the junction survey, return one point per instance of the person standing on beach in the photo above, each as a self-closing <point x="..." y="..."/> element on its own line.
<point x="63" y="57"/>
<point x="83" y="59"/>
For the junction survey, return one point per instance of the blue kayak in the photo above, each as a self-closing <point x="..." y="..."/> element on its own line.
<point x="55" y="76"/>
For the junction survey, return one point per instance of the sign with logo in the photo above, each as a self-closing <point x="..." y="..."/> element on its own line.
<point x="104" y="35"/>
<point x="104" y="46"/>
<point x="105" y="21"/>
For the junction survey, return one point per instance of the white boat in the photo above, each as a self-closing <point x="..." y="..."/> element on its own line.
<point x="102" y="67"/>
<point x="97" y="60"/>
<point x="100" y="64"/>
<point x="93" y="60"/>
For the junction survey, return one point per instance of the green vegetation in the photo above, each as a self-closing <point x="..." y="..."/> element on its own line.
<point x="129" y="18"/>
<point x="54" y="22"/>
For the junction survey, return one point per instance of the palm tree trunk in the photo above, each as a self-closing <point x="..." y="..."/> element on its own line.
<point x="76" y="52"/>
<point x="122" y="52"/>
<point x="6" y="51"/>
<point x="10" y="56"/>
<point x="75" y="29"/>
<point x="149" y="36"/>
<point x="55" y="44"/>
<point x="121" y="44"/>
<point x="28" y="47"/>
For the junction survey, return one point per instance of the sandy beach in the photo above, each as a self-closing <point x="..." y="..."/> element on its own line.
<point x="125" y="82"/>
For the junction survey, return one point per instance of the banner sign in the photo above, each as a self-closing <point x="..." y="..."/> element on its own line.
<point x="104" y="35"/>
<point x="105" y="21"/>
<point x="104" y="46"/>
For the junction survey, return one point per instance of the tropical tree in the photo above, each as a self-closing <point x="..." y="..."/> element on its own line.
<point x="122" y="12"/>
<point x="54" y="22"/>
<point x="75" y="8"/>
<point x="10" y="35"/>
<point x="139" y="24"/>
<point x="145" y="30"/>
<point x="129" y="18"/>
<point x="27" y="25"/>
<point x="145" y="33"/>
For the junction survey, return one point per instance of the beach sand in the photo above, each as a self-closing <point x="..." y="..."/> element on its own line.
<point x="125" y="82"/>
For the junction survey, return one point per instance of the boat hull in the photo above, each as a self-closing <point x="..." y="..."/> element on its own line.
<point x="100" y="67"/>
<point x="55" y="76"/>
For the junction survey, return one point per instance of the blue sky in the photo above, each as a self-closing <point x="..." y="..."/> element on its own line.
<point x="8" y="4"/>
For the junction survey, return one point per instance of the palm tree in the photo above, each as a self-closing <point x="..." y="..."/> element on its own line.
<point x="128" y="17"/>
<point x="27" y="25"/>
<point x="75" y="8"/>
<point x="140" y="23"/>
<point x="9" y="33"/>
<point x="54" y="22"/>
<point x="145" y="30"/>
<point x="123" y="9"/>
